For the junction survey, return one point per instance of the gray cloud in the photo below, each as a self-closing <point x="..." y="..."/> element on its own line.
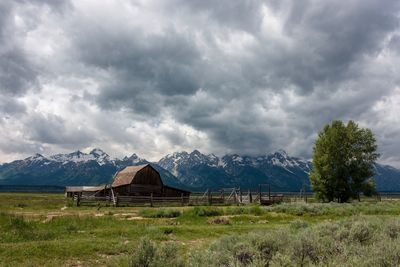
<point x="16" y="72"/>
<point x="242" y="77"/>
<point x="52" y="129"/>
<point x="11" y="106"/>
<point x="143" y="67"/>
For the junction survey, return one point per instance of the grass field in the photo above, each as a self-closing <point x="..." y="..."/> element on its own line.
<point x="47" y="230"/>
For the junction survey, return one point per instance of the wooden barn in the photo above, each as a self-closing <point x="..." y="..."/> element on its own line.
<point x="143" y="180"/>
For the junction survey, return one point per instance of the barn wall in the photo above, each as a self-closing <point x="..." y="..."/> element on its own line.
<point x="138" y="190"/>
<point x="147" y="176"/>
<point x="174" y="192"/>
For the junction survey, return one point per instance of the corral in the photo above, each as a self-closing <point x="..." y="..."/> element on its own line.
<point x="142" y="185"/>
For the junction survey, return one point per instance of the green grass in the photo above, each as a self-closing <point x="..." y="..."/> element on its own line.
<point x="160" y="213"/>
<point x="47" y="230"/>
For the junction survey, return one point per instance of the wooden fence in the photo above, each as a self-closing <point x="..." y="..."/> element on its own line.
<point x="227" y="196"/>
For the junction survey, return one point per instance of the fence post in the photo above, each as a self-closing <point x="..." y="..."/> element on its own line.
<point x="250" y="197"/>
<point x="259" y="193"/>
<point x="269" y="191"/>
<point x="78" y="200"/>
<point x="116" y="201"/>
<point x="240" y="196"/>
<point x="183" y="203"/>
<point x="151" y="199"/>
<point x="236" y="197"/>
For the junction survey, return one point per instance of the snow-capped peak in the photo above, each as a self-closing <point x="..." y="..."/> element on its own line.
<point x="97" y="152"/>
<point x="134" y="159"/>
<point x="182" y="160"/>
<point x="36" y="157"/>
<point x="281" y="152"/>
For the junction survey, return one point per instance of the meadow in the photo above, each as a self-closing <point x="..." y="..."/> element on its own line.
<point x="48" y="230"/>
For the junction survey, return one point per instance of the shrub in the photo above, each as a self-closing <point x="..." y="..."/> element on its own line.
<point x="256" y="210"/>
<point x="305" y="248"/>
<point x="219" y="220"/>
<point x="251" y="210"/>
<point x="392" y="229"/>
<point x="360" y="241"/>
<point x="243" y="254"/>
<point x="144" y="254"/>
<point x="167" y="255"/>
<point x="160" y="213"/>
<point x="205" y="211"/>
<point x="168" y="231"/>
<point x="360" y="232"/>
<point x="298" y="224"/>
<point x="72" y="228"/>
<point x="18" y="224"/>
<point x="269" y="245"/>
<point x="149" y="254"/>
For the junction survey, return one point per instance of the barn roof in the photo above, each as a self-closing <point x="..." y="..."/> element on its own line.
<point x="126" y="175"/>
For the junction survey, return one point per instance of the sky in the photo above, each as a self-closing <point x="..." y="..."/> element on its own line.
<point x="154" y="77"/>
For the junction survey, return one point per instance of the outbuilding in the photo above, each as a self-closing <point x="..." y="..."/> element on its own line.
<point x="71" y="191"/>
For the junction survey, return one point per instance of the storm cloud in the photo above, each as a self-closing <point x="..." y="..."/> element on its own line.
<point x="153" y="77"/>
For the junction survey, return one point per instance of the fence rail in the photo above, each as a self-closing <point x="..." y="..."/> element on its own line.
<point x="232" y="196"/>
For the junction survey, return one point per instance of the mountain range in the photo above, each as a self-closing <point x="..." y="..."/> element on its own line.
<point x="194" y="171"/>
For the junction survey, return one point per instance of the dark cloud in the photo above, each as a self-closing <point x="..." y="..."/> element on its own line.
<point x="143" y="66"/>
<point x="52" y="129"/>
<point x="239" y="77"/>
<point x="327" y="40"/>
<point x="18" y="73"/>
<point x="243" y="15"/>
<point x="394" y="43"/>
<point x="10" y="106"/>
<point x="216" y="66"/>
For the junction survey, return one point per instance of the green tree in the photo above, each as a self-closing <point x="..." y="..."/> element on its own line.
<point x="343" y="158"/>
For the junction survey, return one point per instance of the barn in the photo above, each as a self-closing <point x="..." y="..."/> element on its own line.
<point x="143" y="180"/>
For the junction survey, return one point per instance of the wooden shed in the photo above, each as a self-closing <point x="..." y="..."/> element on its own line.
<point x="143" y="180"/>
<point x="71" y="191"/>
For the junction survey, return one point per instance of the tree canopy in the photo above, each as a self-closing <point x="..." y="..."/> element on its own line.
<point x="343" y="158"/>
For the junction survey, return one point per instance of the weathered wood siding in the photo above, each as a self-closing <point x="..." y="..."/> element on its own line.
<point x="147" y="176"/>
<point x="174" y="192"/>
<point x="145" y="182"/>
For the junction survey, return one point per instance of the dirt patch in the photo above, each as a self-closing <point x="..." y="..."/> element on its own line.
<point x="133" y="218"/>
<point x="50" y="217"/>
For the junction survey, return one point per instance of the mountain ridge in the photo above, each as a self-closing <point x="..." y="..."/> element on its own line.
<point x="194" y="170"/>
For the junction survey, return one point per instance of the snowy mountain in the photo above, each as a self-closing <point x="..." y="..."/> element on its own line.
<point x="194" y="171"/>
<point x="76" y="168"/>
<point x="283" y="172"/>
<point x="208" y="171"/>
<point x="96" y="154"/>
<point x="184" y="160"/>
